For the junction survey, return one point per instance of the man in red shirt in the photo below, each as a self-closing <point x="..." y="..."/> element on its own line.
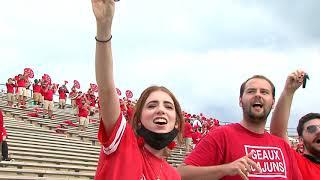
<point x="62" y="96"/>
<point x="22" y="90"/>
<point x="187" y="135"/>
<point x="48" y="100"/>
<point x="83" y="109"/>
<point x="36" y="92"/>
<point x="10" y="91"/>
<point x="308" y="128"/>
<point x="244" y="150"/>
<point x="91" y="101"/>
<point x="196" y="136"/>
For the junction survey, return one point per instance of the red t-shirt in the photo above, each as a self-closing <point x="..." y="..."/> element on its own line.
<point x="49" y="95"/>
<point x="10" y="88"/>
<point x="62" y="94"/>
<point x="122" y="158"/>
<point x="36" y="88"/>
<point x="21" y="82"/>
<point x="83" y="110"/>
<point x="231" y="142"/>
<point x="187" y="130"/>
<point x="308" y="169"/>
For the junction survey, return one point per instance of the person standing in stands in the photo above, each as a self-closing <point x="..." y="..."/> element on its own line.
<point x="135" y="151"/>
<point x="36" y="92"/>
<point x="62" y="96"/>
<point x="187" y="135"/>
<point x="48" y="100"/>
<point x="83" y="113"/>
<point x="22" y="90"/>
<point x="10" y="92"/>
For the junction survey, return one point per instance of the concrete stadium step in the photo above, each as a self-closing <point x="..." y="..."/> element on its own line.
<point x="22" y="144"/>
<point x="64" y="153"/>
<point x="24" y="165"/>
<point x="47" y="137"/>
<point x="53" y="139"/>
<point x="56" y="156"/>
<point x="50" y="141"/>
<point x="58" y="161"/>
<point x="12" y="177"/>
<point x="43" y="173"/>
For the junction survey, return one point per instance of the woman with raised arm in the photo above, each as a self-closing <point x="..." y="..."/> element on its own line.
<point x="134" y="151"/>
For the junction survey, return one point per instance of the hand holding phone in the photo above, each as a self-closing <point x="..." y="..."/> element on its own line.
<point x="305" y="78"/>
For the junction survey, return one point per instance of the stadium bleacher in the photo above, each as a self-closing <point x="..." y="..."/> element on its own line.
<point x="39" y="152"/>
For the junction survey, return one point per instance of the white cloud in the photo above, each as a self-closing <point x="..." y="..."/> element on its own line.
<point x="201" y="50"/>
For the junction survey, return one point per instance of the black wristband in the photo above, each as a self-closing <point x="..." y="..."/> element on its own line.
<point x="103" y="41"/>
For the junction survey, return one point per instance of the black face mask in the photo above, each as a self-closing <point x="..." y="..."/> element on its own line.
<point x="157" y="140"/>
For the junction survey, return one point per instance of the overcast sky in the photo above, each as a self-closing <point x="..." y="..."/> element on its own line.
<point x="201" y="50"/>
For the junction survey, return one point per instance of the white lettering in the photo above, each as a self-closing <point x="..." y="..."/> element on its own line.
<point x="254" y="155"/>
<point x="273" y="167"/>
<point x="265" y="155"/>
<point x="282" y="169"/>
<point x="277" y="155"/>
<point x="259" y="154"/>
<point x="271" y="154"/>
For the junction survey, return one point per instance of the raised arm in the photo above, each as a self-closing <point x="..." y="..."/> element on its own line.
<point x="280" y="116"/>
<point x="110" y="110"/>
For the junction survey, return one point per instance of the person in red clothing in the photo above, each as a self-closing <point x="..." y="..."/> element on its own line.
<point x="91" y="100"/>
<point x="308" y="128"/>
<point x="187" y="135"/>
<point x="83" y="113"/>
<point x="244" y="150"/>
<point x="196" y="136"/>
<point x="62" y="96"/>
<point x="22" y="90"/>
<point x="10" y="92"/>
<point x="36" y="92"/>
<point x="48" y="100"/>
<point x="44" y="85"/>
<point x="137" y="150"/>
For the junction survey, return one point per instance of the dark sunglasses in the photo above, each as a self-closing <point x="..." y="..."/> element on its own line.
<point x="312" y="128"/>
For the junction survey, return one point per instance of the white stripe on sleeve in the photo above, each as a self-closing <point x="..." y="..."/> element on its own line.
<point x="115" y="143"/>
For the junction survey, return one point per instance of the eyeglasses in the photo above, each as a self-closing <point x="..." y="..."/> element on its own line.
<point x="312" y="128"/>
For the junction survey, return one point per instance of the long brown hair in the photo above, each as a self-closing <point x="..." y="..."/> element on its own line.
<point x="142" y="100"/>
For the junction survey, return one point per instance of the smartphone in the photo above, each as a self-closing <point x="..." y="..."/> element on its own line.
<point x="305" y="78"/>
